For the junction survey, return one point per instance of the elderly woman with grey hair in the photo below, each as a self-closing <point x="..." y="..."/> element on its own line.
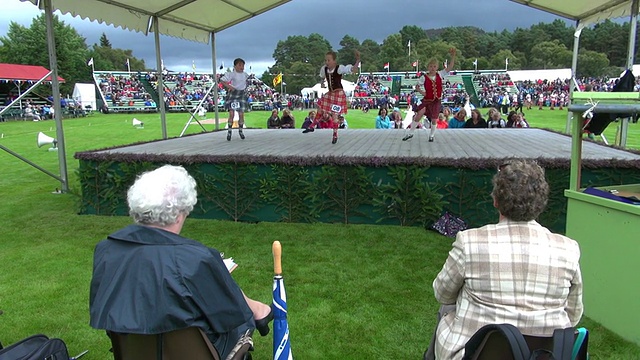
<point x="147" y="279"/>
<point x="515" y="271"/>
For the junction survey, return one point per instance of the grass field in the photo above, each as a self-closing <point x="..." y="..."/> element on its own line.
<point x="354" y="291"/>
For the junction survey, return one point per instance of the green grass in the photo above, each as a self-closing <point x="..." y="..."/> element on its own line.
<point x="354" y="291"/>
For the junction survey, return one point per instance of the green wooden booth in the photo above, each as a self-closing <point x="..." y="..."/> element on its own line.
<point x="608" y="231"/>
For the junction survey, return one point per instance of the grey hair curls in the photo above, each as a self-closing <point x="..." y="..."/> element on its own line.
<point x="158" y="197"/>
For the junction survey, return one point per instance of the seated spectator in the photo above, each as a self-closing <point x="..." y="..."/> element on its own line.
<point x="382" y="120"/>
<point x="516" y="120"/>
<point x="396" y="119"/>
<point x="342" y="122"/>
<point x="147" y="279"/>
<point x="397" y="122"/>
<point x="308" y="120"/>
<point x="516" y="271"/>
<point x="273" y="122"/>
<point x="287" y="121"/>
<point x="29" y="113"/>
<point x="458" y="121"/>
<point x="442" y="122"/>
<point x="495" y="119"/>
<point x="476" y="121"/>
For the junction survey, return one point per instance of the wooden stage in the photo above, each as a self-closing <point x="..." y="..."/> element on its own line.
<point x="449" y="143"/>
<point x="370" y="176"/>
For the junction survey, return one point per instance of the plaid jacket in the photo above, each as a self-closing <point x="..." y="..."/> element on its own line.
<point x="511" y="272"/>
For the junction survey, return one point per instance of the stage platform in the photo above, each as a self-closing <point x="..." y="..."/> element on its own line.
<point x="370" y="176"/>
<point x="449" y="143"/>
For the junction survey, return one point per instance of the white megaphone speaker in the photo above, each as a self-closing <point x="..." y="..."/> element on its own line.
<point x="138" y="124"/>
<point x="44" y="139"/>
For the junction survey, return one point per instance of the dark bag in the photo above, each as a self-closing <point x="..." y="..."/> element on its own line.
<point x="449" y="225"/>
<point x="567" y="345"/>
<point x="36" y="347"/>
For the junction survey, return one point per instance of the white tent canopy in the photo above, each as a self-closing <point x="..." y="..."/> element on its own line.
<point x="533" y="75"/>
<point x="85" y="94"/>
<point x="193" y="20"/>
<point x="587" y="12"/>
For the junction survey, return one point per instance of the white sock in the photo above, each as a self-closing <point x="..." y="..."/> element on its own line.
<point x="433" y="130"/>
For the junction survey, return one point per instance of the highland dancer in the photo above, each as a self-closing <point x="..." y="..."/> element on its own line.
<point x="334" y="102"/>
<point x="432" y="94"/>
<point x="236" y="101"/>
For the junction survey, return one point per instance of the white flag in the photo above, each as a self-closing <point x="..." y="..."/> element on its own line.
<point x="506" y="61"/>
<point x="90" y="62"/>
<point x="409" y="44"/>
<point x="475" y="62"/>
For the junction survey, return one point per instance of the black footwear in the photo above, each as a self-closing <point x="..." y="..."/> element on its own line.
<point x="262" y="325"/>
<point x="307" y="130"/>
<point x="229" y="135"/>
<point x="335" y="139"/>
<point x="430" y="138"/>
<point x="407" y="137"/>
<point x="241" y="134"/>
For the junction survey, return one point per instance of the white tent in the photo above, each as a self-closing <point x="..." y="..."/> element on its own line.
<point x="533" y="75"/>
<point x="85" y="94"/>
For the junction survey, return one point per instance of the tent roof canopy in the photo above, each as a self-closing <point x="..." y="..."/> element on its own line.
<point x="34" y="73"/>
<point x="192" y="20"/>
<point x="587" y="12"/>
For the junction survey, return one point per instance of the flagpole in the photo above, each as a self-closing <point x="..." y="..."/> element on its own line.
<point x="128" y="66"/>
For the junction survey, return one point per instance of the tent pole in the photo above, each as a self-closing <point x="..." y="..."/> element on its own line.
<point x="215" y="79"/>
<point x="624" y="123"/>
<point x="574" y="68"/>
<point x="55" y="88"/>
<point x="160" y="88"/>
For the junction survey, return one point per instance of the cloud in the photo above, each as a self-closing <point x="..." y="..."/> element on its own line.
<point x="255" y="39"/>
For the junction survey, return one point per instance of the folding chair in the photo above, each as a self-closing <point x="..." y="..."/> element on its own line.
<point x="189" y="343"/>
<point x="495" y="346"/>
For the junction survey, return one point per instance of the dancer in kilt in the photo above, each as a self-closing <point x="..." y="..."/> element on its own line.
<point x="334" y="102"/>
<point x="236" y="101"/>
<point x="430" y="86"/>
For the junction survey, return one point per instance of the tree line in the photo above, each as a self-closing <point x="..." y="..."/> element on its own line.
<point x="603" y="51"/>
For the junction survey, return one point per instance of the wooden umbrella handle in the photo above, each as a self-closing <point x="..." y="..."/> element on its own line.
<point x="277" y="257"/>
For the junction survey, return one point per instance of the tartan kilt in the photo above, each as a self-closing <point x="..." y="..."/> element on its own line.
<point x="236" y="96"/>
<point x="334" y="101"/>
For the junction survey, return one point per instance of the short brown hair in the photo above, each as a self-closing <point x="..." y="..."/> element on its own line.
<point x="520" y="189"/>
<point x="333" y="54"/>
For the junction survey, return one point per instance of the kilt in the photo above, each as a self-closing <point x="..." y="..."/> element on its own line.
<point x="431" y="109"/>
<point x="334" y="101"/>
<point x="236" y="100"/>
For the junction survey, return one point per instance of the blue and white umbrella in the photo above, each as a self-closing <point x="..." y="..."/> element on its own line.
<point x="281" y="344"/>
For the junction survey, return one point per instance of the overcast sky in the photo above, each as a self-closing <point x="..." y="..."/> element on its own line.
<point x="255" y="39"/>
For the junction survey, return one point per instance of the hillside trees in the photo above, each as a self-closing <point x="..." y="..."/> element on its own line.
<point x="28" y="46"/>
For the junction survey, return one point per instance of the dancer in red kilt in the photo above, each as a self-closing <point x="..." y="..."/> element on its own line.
<point x="334" y="102"/>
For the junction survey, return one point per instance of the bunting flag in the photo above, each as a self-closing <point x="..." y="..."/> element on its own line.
<point x="277" y="80"/>
<point x="386" y="66"/>
<point x="90" y="62"/>
<point x="222" y="65"/>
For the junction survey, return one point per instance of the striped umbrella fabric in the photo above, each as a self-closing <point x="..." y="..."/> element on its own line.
<point x="281" y="344"/>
